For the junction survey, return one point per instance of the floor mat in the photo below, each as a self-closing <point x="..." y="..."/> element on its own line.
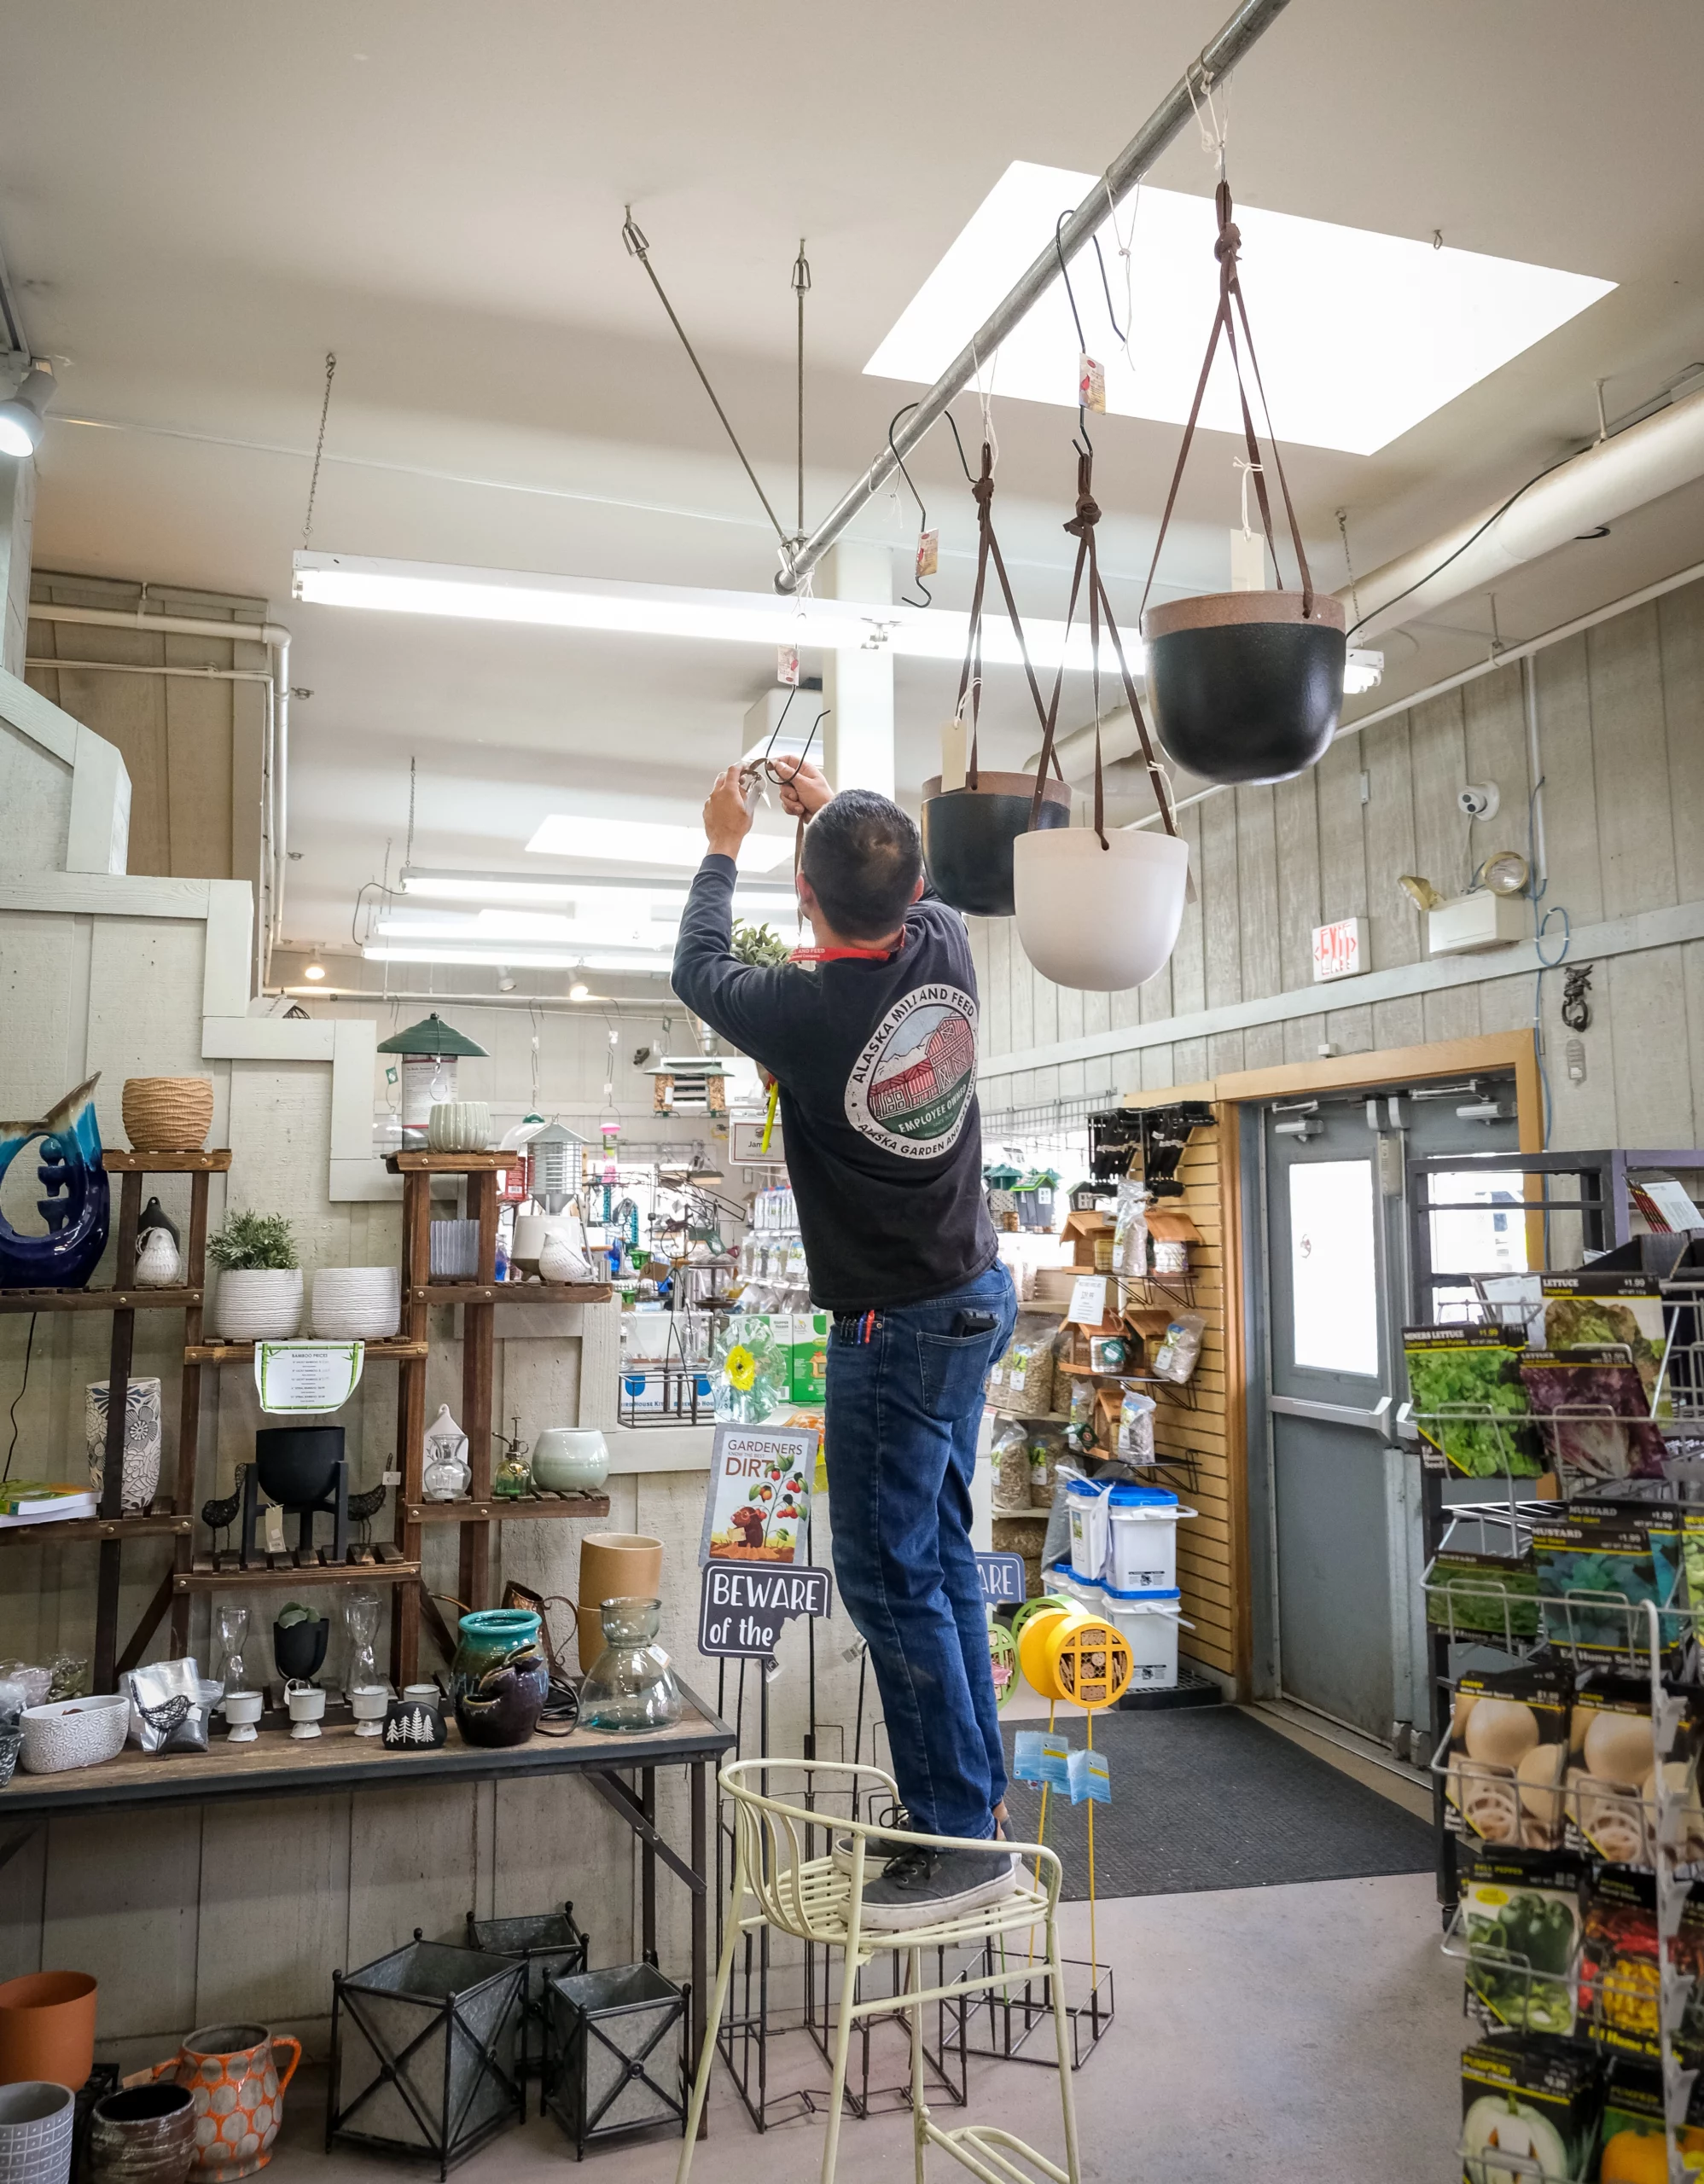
<point x="1210" y="1798"/>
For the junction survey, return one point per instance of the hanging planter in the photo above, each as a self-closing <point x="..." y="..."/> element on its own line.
<point x="1098" y="910"/>
<point x="1246" y="686"/>
<point x="970" y="828"/>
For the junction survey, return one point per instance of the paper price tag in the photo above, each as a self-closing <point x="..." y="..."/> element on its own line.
<point x="272" y="1528"/>
<point x="928" y="553"/>
<point x="1091" y="384"/>
<point x="1088" y="1778"/>
<point x="307" y="1375"/>
<point x="953" y="753"/>
<point x="1088" y="1300"/>
<point x="787" y="666"/>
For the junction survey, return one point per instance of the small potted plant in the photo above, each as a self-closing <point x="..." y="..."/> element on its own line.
<point x="259" y="1296"/>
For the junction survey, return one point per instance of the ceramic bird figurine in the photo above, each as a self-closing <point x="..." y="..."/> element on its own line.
<point x="157" y="1263"/>
<point x="155" y="1216"/>
<point x="558" y="1260"/>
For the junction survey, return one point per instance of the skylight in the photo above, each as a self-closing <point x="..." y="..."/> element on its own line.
<point x="1359" y="335"/>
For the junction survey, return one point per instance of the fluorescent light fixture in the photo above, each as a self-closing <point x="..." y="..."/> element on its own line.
<point x="645" y="841"/>
<point x="529" y="890"/>
<point x="657" y="610"/>
<point x="517" y="959"/>
<point x="579" y="991"/>
<point x="1361" y="334"/>
<point x="1362" y="671"/>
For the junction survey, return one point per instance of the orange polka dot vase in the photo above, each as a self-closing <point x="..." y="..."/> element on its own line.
<point x="232" y="2070"/>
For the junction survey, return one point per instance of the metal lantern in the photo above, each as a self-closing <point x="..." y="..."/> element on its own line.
<point x="548" y="1944"/>
<point x="430" y="1051"/>
<point x="553" y="1167"/>
<point x="615" y="2053"/>
<point x="423" y="2051"/>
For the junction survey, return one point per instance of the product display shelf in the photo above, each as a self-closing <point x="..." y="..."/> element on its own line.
<point x="229" y="1573"/>
<point x="500" y="1508"/>
<point x="1157" y="1290"/>
<point x="511" y="1292"/>
<point x="110" y="1529"/>
<point x="1182" y="1393"/>
<point x="242" y="1353"/>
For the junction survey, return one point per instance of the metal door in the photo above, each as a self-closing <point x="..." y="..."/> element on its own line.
<point x="1343" y="1492"/>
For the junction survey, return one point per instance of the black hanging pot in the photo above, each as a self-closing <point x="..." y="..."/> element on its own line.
<point x="1244" y="686"/>
<point x="968" y="834"/>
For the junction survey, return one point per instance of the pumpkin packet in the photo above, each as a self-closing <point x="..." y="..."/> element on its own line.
<point x="1539" y="2100"/>
<point x="1508" y="1746"/>
<point x="1519" y="1920"/>
<point x="1632" y="2146"/>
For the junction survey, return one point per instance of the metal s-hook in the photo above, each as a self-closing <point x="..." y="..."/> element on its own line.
<point x="928" y="599"/>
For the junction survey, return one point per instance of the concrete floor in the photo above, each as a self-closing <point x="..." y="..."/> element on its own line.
<point x="1262" y="2035"/>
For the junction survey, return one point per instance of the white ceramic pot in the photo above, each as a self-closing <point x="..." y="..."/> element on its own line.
<point x="259" y="1304"/>
<point x="142" y="1440"/>
<point x="531" y="1230"/>
<point x="357" y="1304"/>
<point x="242" y="1712"/>
<point x="570" y="1459"/>
<point x="370" y="1703"/>
<point x="458" y="1126"/>
<point x="75" y="1733"/>
<point x="1100" y="919"/>
<point x="306" y="1703"/>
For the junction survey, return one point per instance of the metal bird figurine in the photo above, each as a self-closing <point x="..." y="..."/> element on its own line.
<point x="363" y="1508"/>
<point x="218" y="1515"/>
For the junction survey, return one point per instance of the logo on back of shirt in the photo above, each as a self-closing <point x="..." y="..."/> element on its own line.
<point x="909" y="1089"/>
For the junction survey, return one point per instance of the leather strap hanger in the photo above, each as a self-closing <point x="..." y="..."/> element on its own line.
<point x="1226" y="249"/>
<point x="970" y="676"/>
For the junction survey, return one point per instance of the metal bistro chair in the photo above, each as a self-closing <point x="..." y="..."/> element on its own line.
<point x="821" y="1900"/>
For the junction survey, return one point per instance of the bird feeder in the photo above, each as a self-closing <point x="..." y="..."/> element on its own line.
<point x="430" y="1051"/>
<point x="688" y="1085"/>
<point x="552" y="1166"/>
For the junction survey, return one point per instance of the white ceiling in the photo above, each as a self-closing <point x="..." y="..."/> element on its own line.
<point x="198" y="200"/>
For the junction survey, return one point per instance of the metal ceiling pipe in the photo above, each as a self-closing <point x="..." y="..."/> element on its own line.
<point x="1603" y="482"/>
<point x="1217" y="59"/>
<point x="275" y="820"/>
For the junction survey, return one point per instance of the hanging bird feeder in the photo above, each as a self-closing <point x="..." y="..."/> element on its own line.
<point x="552" y="1166"/>
<point x="430" y="1051"/>
<point x="1098" y="909"/>
<point x="970" y="822"/>
<point x="1246" y="686"/>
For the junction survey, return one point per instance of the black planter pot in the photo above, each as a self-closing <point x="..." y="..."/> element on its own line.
<point x="299" y="1654"/>
<point x="297" y="1463"/>
<point x="968" y="834"/>
<point x="1243" y="688"/>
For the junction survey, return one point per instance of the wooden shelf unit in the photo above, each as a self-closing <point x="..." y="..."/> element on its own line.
<point x="229" y="1573"/>
<point x="501" y="1508"/>
<point x="111" y="1528"/>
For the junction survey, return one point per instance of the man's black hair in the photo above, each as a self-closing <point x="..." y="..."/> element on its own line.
<point x="863" y="857"/>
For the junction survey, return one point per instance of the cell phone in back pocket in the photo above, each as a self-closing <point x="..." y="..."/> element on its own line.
<point x="971" y="1323"/>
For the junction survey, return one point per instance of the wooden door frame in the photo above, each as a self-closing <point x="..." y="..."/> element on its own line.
<point x="1229" y="1095"/>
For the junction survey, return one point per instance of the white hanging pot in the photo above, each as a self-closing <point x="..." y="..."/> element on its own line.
<point x="1100" y="920"/>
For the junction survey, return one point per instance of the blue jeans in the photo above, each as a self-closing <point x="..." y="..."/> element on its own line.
<point x="902" y="1411"/>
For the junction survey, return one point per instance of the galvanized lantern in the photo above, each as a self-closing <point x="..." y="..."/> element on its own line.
<point x="552" y="1166"/>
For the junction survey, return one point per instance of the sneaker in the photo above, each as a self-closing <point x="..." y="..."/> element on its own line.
<point x="896" y="1819"/>
<point x="930" y="1888"/>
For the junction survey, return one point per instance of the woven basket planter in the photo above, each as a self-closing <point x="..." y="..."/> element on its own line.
<point x="168" y="1114"/>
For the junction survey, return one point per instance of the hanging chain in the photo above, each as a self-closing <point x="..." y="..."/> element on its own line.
<point x="801" y="282"/>
<point x="319" y="446"/>
<point x="408" y="854"/>
<point x="1343" y="533"/>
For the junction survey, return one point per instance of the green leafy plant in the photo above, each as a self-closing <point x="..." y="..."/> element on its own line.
<point x="251" y="1242"/>
<point x="758" y="944"/>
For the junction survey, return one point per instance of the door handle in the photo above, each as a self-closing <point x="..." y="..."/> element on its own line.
<point x="1374" y="1420"/>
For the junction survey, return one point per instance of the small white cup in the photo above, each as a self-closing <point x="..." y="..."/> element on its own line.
<point x="242" y="1710"/>
<point x="422" y="1694"/>
<point x="306" y="1703"/>
<point x="370" y="1703"/>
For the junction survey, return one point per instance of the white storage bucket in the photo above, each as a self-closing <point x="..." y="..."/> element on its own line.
<point x="1086" y="1506"/>
<point x="1150" y="1623"/>
<point x="1070" y="1584"/>
<point x="1101" y="920"/>
<point x="1141" y="1548"/>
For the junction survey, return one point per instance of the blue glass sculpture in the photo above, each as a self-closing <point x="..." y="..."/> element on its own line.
<point x="77" y="1207"/>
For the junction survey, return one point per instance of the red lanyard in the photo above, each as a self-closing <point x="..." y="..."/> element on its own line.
<point x="840" y="955"/>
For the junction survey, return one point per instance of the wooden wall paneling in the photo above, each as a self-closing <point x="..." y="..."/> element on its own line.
<point x="1188" y="961"/>
<point x="22" y="1899"/>
<point x="121" y="1904"/>
<point x="1400" y="1023"/>
<point x="274" y="1908"/>
<point x="1388" y="817"/>
<point x="1630" y="752"/>
<point x="1566" y="754"/>
<point x="1220" y="896"/>
<point x="1159" y="1069"/>
<point x="997" y="998"/>
<point x="198" y="757"/>
<point x="1342" y="845"/>
<point x="1225" y="1051"/>
<point x="1494" y="719"/>
<point x="1680" y="636"/>
<point x="1097" y="1013"/>
<point x="415" y="1859"/>
<point x="1044" y="1000"/>
<point x="1350" y="1029"/>
<point x="1262" y="1046"/>
<point x="1644" y="998"/>
<point x="1189" y="1062"/>
<point x="1452" y="1013"/>
<point x="1067" y="1001"/>
<point x="1023" y="986"/>
<point x="1257" y="864"/>
<point x="557" y="1841"/>
<point x="1692" y="974"/>
<point x="1295" y="821"/>
<point x="1303" y="1037"/>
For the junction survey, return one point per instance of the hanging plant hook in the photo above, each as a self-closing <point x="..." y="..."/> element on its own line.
<point x="928" y="599"/>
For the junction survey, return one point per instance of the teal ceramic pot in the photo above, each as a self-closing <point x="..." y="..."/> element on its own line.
<point x="486" y="1638"/>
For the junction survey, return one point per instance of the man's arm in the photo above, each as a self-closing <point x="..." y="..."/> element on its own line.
<point x="746" y="1004"/>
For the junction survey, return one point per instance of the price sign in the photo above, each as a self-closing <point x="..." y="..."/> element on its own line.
<point x="1003" y="1583"/>
<point x="1088" y="1300"/>
<point x="742" y="1607"/>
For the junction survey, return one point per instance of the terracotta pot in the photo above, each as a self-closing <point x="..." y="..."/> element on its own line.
<point x="1243" y="688"/>
<point x="143" y="2135"/>
<point x="167" y="1114"/>
<point x="47" y="2028"/>
<point x="968" y="834"/>
<point x="613" y="1567"/>
<point x="239" y="2096"/>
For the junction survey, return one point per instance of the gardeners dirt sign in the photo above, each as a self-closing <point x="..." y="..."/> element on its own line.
<point x="759" y="1498"/>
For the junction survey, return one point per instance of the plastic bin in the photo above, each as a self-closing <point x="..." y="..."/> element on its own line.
<point x="1085" y="1508"/>
<point x="1141" y="1545"/>
<point x="1150" y="1622"/>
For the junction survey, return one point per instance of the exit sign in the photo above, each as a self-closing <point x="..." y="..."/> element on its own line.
<point x="1340" y="949"/>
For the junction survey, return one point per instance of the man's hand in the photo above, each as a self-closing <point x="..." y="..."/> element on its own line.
<point x="803" y="790"/>
<point x="726" y="820"/>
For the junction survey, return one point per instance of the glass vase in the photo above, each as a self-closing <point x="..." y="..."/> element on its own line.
<point x="630" y="1686"/>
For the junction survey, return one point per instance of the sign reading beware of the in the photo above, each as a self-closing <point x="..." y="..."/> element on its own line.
<point x="742" y="1607"/>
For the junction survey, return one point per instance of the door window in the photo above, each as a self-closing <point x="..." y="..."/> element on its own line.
<point x="1485" y="1229"/>
<point x="1334" y="1267"/>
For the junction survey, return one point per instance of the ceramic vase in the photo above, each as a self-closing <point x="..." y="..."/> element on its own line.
<point x="145" y="2134"/>
<point x="570" y="1459"/>
<point x="259" y="1304"/>
<point x="306" y="1703"/>
<point x="232" y="2070"/>
<point x="357" y="1304"/>
<point x="75" y="1200"/>
<point x="157" y="1263"/>
<point x="167" y="1114"/>
<point x="968" y="834"/>
<point x="142" y="1441"/>
<point x="1100" y="919"/>
<point x="1245" y="687"/>
<point x="242" y="1712"/>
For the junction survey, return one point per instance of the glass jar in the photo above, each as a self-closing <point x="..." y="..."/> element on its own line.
<point x="233" y="1623"/>
<point x="630" y="1686"/>
<point x="360" y="1628"/>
